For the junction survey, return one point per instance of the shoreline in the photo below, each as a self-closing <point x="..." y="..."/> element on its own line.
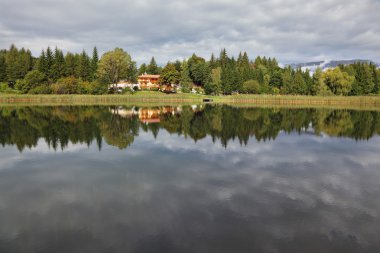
<point x="153" y="98"/>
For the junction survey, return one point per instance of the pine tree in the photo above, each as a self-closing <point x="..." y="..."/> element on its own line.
<point x="3" y="68"/>
<point x="58" y="68"/>
<point x="70" y="65"/>
<point x="84" y="66"/>
<point x="213" y="62"/>
<point x="94" y="63"/>
<point x="132" y="73"/>
<point x="49" y="63"/>
<point x="185" y="80"/>
<point x="223" y="58"/>
<point x="12" y="61"/>
<point x="142" y="69"/>
<point x="41" y="63"/>
<point x="152" y="68"/>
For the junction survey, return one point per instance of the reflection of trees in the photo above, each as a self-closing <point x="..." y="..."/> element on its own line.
<point x="23" y="126"/>
<point x="118" y="131"/>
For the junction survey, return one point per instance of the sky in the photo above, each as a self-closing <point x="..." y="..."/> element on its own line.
<point x="292" y="31"/>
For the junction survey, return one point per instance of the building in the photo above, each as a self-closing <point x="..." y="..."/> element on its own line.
<point x="148" y="82"/>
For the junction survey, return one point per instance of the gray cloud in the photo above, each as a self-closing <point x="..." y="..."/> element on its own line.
<point x="289" y="30"/>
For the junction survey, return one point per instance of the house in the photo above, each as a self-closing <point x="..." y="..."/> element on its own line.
<point x="148" y="82"/>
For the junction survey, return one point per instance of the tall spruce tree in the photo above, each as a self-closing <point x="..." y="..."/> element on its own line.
<point x="94" y="63"/>
<point x="142" y="69"/>
<point x="3" y="68"/>
<point x="58" y="68"/>
<point x="70" y="65"/>
<point x="84" y="66"/>
<point x="49" y="63"/>
<point x="152" y="68"/>
<point x="185" y="79"/>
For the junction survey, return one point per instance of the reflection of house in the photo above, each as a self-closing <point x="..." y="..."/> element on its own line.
<point x="147" y="115"/>
<point x="148" y="81"/>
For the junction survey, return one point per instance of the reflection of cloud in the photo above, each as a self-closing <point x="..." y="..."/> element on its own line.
<point x="171" y="193"/>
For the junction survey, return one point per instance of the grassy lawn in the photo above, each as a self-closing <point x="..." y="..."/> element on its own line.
<point x="158" y="98"/>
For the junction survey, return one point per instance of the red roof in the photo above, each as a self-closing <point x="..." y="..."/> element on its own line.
<point x="149" y="76"/>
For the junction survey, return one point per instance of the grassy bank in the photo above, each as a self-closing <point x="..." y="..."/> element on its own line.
<point x="157" y="98"/>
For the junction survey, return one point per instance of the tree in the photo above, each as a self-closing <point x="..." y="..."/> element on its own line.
<point x="132" y="73"/>
<point x="214" y="85"/>
<point x="58" y="68"/>
<point x="142" y="69"/>
<point x="152" y="68"/>
<point x="3" y="68"/>
<point x="94" y="63"/>
<point x="169" y="75"/>
<point x="223" y="58"/>
<point x="114" y="65"/>
<point x="85" y="66"/>
<point x="32" y="80"/>
<point x="185" y="79"/>
<point x="228" y="78"/>
<point x="299" y="83"/>
<point x="339" y="82"/>
<point x="363" y="83"/>
<point x="287" y="81"/>
<point x="251" y="87"/>
<point x="71" y="65"/>
<point x="199" y="70"/>
<point x="319" y="87"/>
<point x="49" y="63"/>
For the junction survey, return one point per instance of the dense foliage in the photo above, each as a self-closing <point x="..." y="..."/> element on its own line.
<point x="219" y="75"/>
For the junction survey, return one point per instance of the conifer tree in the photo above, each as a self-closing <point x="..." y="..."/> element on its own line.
<point x="223" y="58"/>
<point x="49" y="63"/>
<point x="41" y="63"/>
<point x="12" y="61"/>
<point x="94" y="63"/>
<point x="213" y="62"/>
<point x="70" y="65"/>
<point x="3" y="68"/>
<point x="152" y="68"/>
<point x="142" y="69"/>
<point x="132" y="73"/>
<point x="84" y="66"/>
<point x="58" y="68"/>
<point x="185" y="80"/>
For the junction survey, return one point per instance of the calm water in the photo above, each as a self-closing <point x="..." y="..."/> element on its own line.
<point x="189" y="179"/>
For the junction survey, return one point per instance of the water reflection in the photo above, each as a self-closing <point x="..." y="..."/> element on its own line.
<point x="302" y="191"/>
<point x="119" y="126"/>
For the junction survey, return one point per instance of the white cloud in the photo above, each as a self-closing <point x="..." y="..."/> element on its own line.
<point x="290" y="30"/>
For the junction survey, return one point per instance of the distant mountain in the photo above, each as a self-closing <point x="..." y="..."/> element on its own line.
<point x="312" y="66"/>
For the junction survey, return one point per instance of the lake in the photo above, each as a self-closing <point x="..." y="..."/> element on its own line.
<point x="199" y="178"/>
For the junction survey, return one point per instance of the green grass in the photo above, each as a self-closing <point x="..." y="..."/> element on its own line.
<point x="157" y="98"/>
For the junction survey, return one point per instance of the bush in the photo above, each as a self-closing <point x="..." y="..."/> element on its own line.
<point x="98" y="87"/>
<point x="32" y="80"/>
<point x="71" y="85"/>
<point x="43" y="89"/>
<point x="251" y="87"/>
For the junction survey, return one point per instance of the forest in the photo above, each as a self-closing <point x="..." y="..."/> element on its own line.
<point x="25" y="126"/>
<point x="55" y="72"/>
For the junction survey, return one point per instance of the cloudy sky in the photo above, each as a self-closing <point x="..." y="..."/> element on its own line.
<point x="291" y="30"/>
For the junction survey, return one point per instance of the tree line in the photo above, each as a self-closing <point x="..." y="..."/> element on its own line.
<point x="24" y="126"/>
<point x="59" y="73"/>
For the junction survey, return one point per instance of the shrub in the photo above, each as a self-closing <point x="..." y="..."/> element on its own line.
<point x="251" y="86"/>
<point x="43" y="89"/>
<point x="32" y="80"/>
